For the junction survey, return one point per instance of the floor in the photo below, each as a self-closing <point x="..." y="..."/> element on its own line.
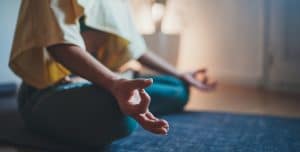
<point x="235" y="99"/>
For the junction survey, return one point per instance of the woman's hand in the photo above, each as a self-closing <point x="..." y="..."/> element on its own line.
<point x="199" y="80"/>
<point x="134" y="101"/>
<point x="152" y="124"/>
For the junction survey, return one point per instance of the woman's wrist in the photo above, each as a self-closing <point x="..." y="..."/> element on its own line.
<point x="114" y="83"/>
<point x="108" y="82"/>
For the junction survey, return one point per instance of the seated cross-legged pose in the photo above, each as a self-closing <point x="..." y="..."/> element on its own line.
<point x="68" y="53"/>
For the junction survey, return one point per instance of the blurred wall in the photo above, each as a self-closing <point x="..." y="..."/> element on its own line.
<point x="8" y="16"/>
<point x="227" y="36"/>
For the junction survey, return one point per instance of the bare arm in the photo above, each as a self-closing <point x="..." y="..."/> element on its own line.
<point x="197" y="78"/>
<point x="83" y="64"/>
<point x="158" y="64"/>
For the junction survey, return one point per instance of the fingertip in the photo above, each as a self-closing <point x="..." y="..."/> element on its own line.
<point x="142" y="91"/>
<point x="162" y="123"/>
<point x="165" y="122"/>
<point x="149" y="80"/>
<point x="159" y="131"/>
<point x="164" y="131"/>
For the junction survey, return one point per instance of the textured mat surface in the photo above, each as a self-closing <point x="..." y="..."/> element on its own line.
<point x="218" y="132"/>
<point x="189" y="132"/>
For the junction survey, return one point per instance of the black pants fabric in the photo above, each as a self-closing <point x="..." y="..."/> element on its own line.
<point x="87" y="115"/>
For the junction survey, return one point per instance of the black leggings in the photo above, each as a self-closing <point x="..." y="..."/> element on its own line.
<point x="84" y="114"/>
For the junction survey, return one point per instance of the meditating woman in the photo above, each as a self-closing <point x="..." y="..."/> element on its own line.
<point x="68" y="53"/>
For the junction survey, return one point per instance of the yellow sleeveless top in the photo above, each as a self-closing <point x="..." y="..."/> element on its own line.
<point x="42" y="23"/>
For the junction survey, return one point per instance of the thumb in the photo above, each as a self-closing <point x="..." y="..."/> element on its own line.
<point x="139" y="83"/>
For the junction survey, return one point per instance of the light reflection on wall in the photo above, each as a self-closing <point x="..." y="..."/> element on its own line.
<point x="173" y="21"/>
<point x="141" y="12"/>
<point x="157" y="12"/>
<point x="146" y="14"/>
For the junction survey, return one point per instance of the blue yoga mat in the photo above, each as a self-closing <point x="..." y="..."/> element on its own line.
<point x="189" y="132"/>
<point x="218" y="132"/>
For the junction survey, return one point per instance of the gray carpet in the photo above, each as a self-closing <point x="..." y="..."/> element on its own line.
<point x="189" y="132"/>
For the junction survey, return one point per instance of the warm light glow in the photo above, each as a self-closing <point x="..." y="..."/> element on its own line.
<point x="147" y="15"/>
<point x="142" y="16"/>
<point x="173" y="18"/>
<point x="158" y="11"/>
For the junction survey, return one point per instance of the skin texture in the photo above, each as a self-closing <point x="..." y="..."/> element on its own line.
<point x="198" y="78"/>
<point x="130" y="94"/>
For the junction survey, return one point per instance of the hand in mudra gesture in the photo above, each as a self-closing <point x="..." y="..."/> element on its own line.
<point x="199" y="79"/>
<point x="134" y="101"/>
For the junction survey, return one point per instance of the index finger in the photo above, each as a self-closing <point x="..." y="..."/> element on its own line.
<point x="145" y="101"/>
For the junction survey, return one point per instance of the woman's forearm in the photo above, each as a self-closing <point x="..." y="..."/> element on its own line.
<point x="157" y="64"/>
<point x="83" y="64"/>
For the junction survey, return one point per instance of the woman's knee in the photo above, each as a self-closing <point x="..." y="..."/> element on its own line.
<point x="91" y="122"/>
<point x="182" y="92"/>
<point x="114" y="131"/>
<point x="168" y="98"/>
<point x="93" y="135"/>
<point x="124" y="128"/>
<point x="183" y="95"/>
